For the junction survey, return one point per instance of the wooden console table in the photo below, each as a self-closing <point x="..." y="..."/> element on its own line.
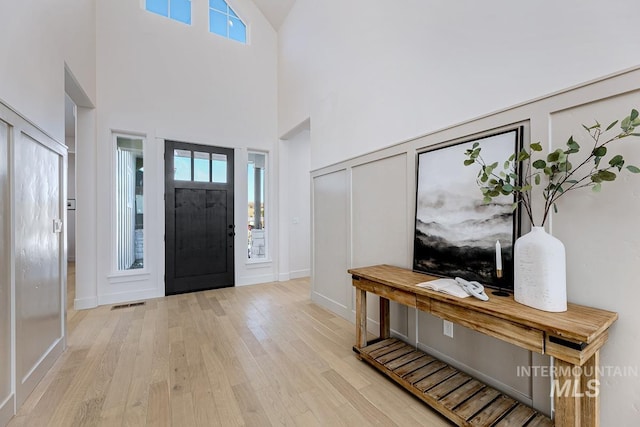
<point x="573" y="338"/>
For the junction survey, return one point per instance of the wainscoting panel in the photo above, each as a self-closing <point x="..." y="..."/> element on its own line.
<point x="331" y="285"/>
<point x="379" y="198"/>
<point x="599" y="231"/>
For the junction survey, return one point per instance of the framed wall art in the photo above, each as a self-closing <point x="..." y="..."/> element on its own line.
<point x="456" y="233"/>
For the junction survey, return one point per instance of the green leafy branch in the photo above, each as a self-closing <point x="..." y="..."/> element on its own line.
<point x="556" y="172"/>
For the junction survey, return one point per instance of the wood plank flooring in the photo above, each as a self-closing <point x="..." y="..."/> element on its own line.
<point x="249" y="356"/>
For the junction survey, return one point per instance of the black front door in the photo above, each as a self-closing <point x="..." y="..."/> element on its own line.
<point x="198" y="217"/>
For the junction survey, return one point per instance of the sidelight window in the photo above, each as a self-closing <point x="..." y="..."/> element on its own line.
<point x="256" y="184"/>
<point x="129" y="203"/>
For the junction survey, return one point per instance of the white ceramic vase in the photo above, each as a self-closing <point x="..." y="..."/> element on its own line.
<point x="540" y="278"/>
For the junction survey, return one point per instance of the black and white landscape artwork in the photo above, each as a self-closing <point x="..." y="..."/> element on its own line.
<point x="456" y="233"/>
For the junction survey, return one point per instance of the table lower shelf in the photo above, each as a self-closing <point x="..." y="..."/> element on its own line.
<point x="462" y="399"/>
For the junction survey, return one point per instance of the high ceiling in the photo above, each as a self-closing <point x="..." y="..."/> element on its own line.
<point x="275" y="10"/>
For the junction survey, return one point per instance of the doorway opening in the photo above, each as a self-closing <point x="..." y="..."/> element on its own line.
<point x="80" y="121"/>
<point x="70" y="141"/>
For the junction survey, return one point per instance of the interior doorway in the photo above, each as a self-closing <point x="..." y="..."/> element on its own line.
<point x="199" y="230"/>
<point x="70" y="141"/>
<point x="80" y="137"/>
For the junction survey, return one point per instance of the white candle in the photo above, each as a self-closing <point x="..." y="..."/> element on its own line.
<point x="498" y="256"/>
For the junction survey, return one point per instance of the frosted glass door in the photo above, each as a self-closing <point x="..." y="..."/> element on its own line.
<point x="5" y="294"/>
<point x="38" y="270"/>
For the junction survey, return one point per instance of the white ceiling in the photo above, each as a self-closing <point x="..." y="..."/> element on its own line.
<point x="275" y="10"/>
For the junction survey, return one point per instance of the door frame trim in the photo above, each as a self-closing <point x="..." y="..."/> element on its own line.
<point x="231" y="200"/>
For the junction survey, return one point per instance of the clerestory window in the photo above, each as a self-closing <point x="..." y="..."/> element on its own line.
<point x="224" y="21"/>
<point x="178" y="10"/>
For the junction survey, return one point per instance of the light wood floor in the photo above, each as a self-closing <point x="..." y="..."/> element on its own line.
<point x="256" y="355"/>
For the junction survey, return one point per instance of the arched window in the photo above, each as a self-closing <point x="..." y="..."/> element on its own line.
<point x="224" y="21"/>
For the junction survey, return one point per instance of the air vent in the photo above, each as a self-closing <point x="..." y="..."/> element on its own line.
<point x="133" y="304"/>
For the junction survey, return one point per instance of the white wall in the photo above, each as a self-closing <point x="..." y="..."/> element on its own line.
<point x="599" y="231"/>
<point x="38" y="40"/>
<point x="53" y="43"/>
<point x="163" y="79"/>
<point x="86" y="209"/>
<point x="295" y="163"/>
<point x="331" y="228"/>
<point x="371" y="74"/>
<point x="379" y="231"/>
<point x="42" y="37"/>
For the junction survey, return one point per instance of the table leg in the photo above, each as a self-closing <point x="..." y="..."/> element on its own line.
<point x="361" y="318"/>
<point x="590" y="389"/>
<point x="566" y="384"/>
<point x="385" y="319"/>
<point x="576" y="393"/>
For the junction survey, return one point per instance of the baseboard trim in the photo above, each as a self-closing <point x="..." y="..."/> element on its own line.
<point x="85" y="303"/>
<point x="331" y="305"/>
<point x="283" y="277"/>
<point x="7" y="410"/>
<point x="255" y="280"/>
<point x="297" y="274"/>
<point x="294" y="274"/>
